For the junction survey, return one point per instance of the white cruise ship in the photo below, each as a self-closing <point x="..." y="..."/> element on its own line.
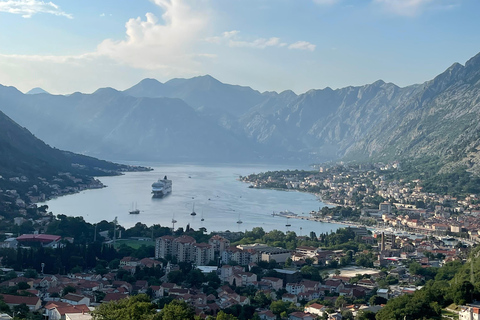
<point x="161" y="188"/>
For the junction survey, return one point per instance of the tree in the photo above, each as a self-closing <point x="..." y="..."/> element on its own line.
<point x="277" y="307"/>
<point x="366" y="315"/>
<point x="30" y="273"/>
<point x="23" y="286"/>
<point x="136" y="307"/>
<point x="21" y="311"/>
<point x="225" y="316"/>
<point x="377" y="300"/>
<point x="67" y="290"/>
<point x="340" y="302"/>
<point x="347" y="315"/>
<point x="175" y="310"/>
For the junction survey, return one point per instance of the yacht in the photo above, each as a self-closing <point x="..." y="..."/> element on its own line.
<point x="134" y="209"/>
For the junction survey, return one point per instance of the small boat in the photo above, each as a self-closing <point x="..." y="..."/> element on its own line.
<point x="134" y="209"/>
<point x="288" y="223"/>
<point x="202" y="217"/>
<point x="193" y="211"/>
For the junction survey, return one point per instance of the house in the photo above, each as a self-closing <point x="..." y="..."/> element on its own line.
<point x="334" y="285"/>
<point x="156" y="291"/>
<point x="315" y="308"/>
<point x="227" y="271"/>
<point x="78" y="316"/>
<point x="115" y="296"/>
<point x="16" y="281"/>
<point x="335" y="316"/>
<point x="149" y="263"/>
<point x="58" y="312"/>
<point x="267" y="315"/>
<point x="49" y="281"/>
<point x="242" y="279"/>
<point x="76" y="299"/>
<point x="275" y="283"/>
<point x="301" y="316"/>
<point x="33" y="303"/>
<point x="367" y="283"/>
<point x="384" y="293"/>
<point x="288" y="297"/>
<point x="469" y="313"/>
<point x="166" y="287"/>
<point x="46" y="240"/>
<point x="295" y="288"/>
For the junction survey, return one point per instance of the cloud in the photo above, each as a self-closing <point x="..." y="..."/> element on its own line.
<point x="27" y="8"/>
<point x="152" y="47"/>
<point x="302" y="45"/>
<point x="233" y="39"/>
<point x="167" y="44"/>
<point x="260" y="43"/>
<point x="172" y="45"/>
<point x="413" y="8"/>
<point x="326" y="2"/>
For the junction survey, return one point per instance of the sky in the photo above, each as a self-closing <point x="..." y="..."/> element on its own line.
<point x="65" y="46"/>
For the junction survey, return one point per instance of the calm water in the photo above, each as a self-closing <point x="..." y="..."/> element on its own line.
<point x="215" y="191"/>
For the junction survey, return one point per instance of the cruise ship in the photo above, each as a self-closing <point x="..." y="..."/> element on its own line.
<point x="161" y="188"/>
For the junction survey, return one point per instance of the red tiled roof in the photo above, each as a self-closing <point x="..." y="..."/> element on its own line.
<point x="73" y="297"/>
<point x="29" y="301"/>
<point x="39" y="237"/>
<point x="114" y="296"/>
<point x="81" y="308"/>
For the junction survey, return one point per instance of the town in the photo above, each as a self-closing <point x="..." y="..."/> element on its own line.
<point x="349" y="274"/>
<point x="378" y="199"/>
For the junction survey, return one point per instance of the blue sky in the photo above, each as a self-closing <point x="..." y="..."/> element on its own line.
<point x="65" y="46"/>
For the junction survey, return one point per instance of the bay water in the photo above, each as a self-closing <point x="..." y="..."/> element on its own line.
<point x="215" y="193"/>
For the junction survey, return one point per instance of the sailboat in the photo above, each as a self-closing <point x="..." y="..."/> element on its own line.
<point x="134" y="209"/>
<point x="288" y="223"/>
<point x="239" y="221"/>
<point x="202" y="217"/>
<point x="193" y="210"/>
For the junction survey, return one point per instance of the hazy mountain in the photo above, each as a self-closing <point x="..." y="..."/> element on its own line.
<point x="111" y="124"/>
<point x="22" y="154"/>
<point x="202" y="119"/>
<point x="36" y="90"/>
<point x="202" y="93"/>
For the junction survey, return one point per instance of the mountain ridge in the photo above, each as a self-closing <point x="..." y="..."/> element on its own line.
<point x="202" y="118"/>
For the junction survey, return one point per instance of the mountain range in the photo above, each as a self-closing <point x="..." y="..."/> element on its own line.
<point x="202" y="119"/>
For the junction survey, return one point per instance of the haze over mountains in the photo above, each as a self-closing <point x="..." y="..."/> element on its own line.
<point x="202" y="119"/>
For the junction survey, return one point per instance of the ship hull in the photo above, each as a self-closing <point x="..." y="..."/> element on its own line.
<point x="161" y="188"/>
